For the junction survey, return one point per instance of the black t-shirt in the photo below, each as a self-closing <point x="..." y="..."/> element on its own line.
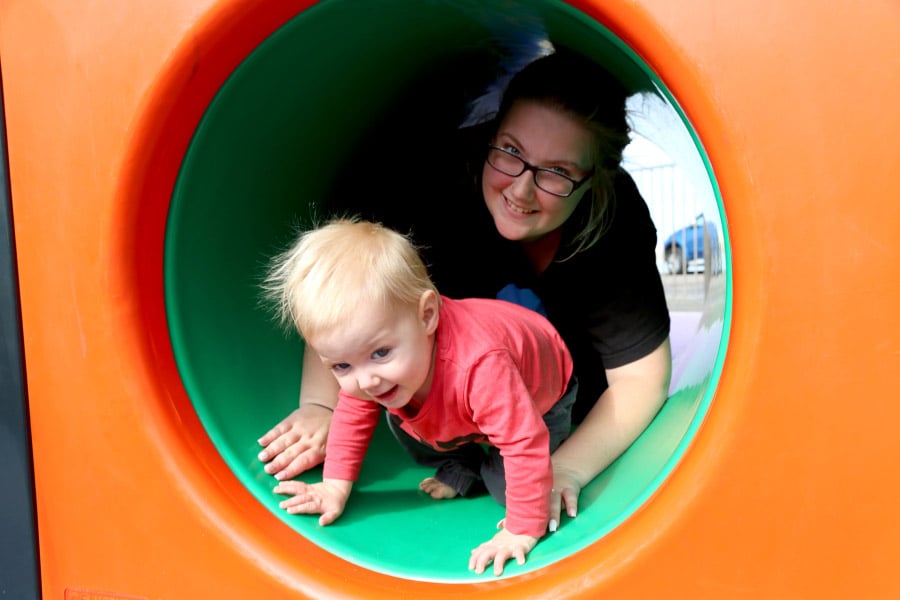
<point x="607" y="302"/>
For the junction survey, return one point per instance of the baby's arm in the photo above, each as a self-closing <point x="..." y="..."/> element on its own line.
<point x="499" y="549"/>
<point x="327" y="498"/>
<point x="515" y="426"/>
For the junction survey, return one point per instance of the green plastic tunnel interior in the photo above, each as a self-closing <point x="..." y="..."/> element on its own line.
<point x="333" y="102"/>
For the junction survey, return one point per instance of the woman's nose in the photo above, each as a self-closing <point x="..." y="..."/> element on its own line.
<point x="523" y="186"/>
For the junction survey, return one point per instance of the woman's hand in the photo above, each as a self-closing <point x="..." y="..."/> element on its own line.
<point x="327" y="498"/>
<point x="297" y="443"/>
<point x="499" y="549"/>
<point x="565" y="492"/>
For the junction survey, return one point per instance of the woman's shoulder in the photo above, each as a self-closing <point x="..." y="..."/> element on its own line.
<point x="630" y="204"/>
<point x="631" y="223"/>
<point x="628" y="245"/>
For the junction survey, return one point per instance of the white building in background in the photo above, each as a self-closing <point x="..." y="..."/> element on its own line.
<point x="669" y="171"/>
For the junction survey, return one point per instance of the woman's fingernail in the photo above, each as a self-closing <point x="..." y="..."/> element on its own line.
<point x="553" y="526"/>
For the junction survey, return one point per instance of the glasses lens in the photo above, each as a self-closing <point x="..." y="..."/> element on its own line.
<point x="505" y="162"/>
<point x="554" y="183"/>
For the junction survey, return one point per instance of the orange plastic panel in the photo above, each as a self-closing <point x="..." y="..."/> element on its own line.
<point x="789" y="488"/>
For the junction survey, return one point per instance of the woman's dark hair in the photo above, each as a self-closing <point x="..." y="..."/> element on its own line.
<point x="581" y="88"/>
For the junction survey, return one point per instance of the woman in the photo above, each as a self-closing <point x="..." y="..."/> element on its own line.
<point x="559" y="227"/>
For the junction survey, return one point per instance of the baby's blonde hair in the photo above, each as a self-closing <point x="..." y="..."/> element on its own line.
<point x="332" y="271"/>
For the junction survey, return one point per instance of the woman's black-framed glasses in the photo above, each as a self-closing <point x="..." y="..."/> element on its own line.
<point x="548" y="180"/>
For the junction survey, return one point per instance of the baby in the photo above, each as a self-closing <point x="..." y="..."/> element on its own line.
<point x="479" y="389"/>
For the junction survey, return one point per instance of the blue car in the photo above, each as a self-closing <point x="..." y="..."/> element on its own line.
<point x="684" y="248"/>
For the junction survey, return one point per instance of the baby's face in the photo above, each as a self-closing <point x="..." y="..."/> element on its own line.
<point x="379" y="355"/>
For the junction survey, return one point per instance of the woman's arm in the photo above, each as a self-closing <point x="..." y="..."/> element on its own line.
<point x="297" y="443"/>
<point x="635" y="394"/>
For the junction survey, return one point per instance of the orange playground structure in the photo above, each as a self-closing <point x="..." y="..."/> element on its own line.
<point x="156" y="153"/>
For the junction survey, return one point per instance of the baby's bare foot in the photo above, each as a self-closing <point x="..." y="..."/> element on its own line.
<point x="436" y="489"/>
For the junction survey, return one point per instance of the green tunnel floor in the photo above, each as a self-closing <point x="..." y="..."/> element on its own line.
<point x="390" y="527"/>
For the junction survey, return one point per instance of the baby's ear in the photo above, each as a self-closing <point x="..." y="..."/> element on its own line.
<point x="429" y="310"/>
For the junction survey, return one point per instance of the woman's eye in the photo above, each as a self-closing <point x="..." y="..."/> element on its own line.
<point x="510" y="148"/>
<point x="381" y="353"/>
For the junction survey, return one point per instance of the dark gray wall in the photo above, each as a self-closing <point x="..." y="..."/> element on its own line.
<point x="18" y="545"/>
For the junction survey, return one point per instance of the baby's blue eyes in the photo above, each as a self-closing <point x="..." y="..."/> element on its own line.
<point x="379" y="354"/>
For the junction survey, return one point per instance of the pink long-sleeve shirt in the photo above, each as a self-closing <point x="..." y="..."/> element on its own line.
<point x="498" y="368"/>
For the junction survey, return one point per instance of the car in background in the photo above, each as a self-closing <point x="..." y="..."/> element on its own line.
<point x="684" y="249"/>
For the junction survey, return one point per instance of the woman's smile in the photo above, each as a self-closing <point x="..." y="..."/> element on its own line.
<point x="517" y="209"/>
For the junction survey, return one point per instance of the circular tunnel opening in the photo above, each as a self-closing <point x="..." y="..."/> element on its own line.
<point x="324" y="105"/>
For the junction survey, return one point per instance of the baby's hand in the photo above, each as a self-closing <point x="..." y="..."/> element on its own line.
<point x="499" y="549"/>
<point x="327" y="498"/>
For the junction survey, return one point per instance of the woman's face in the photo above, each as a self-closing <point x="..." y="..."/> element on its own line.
<point x="543" y="137"/>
